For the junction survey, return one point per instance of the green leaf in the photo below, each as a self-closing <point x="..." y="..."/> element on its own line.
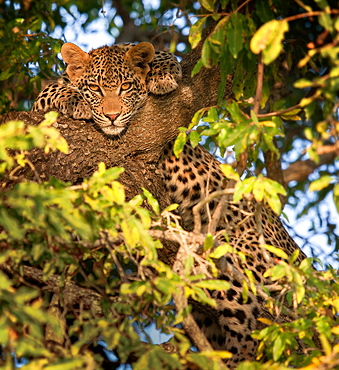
<point x="278" y="348"/>
<point x="252" y="280"/>
<point x="197" y="67"/>
<point x="208" y="243"/>
<point x="336" y="196"/>
<point x="5" y="283"/>
<point x="195" y="138"/>
<point x="235" y="33"/>
<point x="321" y="183"/>
<point x="196" y="31"/>
<point x="151" y="201"/>
<point x="207" y="4"/>
<point x="7" y="73"/>
<point x="277" y="272"/>
<point x="197" y="117"/>
<point x="238" y="81"/>
<point x="235" y="112"/>
<point x="277" y="251"/>
<point x="213" y="284"/>
<point x="305" y="264"/>
<point x="323" y="4"/>
<point x="255" y="118"/>
<point x="188" y="263"/>
<point x="294" y="256"/>
<point x="272" y="186"/>
<point x="221" y="250"/>
<point x="200" y="295"/>
<point x="299" y="287"/>
<point x="264" y="10"/>
<point x="206" y="54"/>
<point x="229" y="172"/>
<point x="258" y="189"/>
<point x="223" y="3"/>
<point x="179" y="143"/>
<point x="274" y="202"/>
<point x="118" y="192"/>
<point x="11" y="224"/>
<point x="303" y="83"/>
<point x="171" y="207"/>
<point x="242" y="188"/>
<point x="268" y="40"/>
<point x="326" y="21"/>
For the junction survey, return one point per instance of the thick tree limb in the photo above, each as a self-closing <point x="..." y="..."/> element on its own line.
<point x="300" y="170"/>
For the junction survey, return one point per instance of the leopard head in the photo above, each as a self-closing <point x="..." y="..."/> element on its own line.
<point x="112" y="80"/>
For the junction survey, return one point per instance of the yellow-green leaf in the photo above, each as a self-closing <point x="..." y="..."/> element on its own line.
<point x="208" y="4"/>
<point x="277" y="251"/>
<point x="220" y="251"/>
<point x="213" y="284"/>
<point x="268" y="40"/>
<point x="179" y="143"/>
<point x="196" y="31"/>
<point x="208" y="243"/>
<point x="229" y="172"/>
<point x="321" y="183"/>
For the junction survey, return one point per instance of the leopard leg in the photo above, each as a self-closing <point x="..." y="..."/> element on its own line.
<point x="63" y="99"/>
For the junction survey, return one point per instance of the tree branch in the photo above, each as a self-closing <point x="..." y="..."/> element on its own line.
<point x="300" y="170"/>
<point x="72" y="293"/>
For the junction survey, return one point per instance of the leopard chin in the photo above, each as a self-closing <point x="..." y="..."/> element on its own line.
<point x="113" y="130"/>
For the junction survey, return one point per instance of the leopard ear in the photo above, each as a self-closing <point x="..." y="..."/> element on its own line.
<point x="139" y="57"/>
<point x="76" y="60"/>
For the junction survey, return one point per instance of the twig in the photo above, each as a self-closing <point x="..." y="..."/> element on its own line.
<point x="197" y="208"/>
<point x="36" y="175"/>
<point x="260" y="79"/>
<point x="185" y="236"/>
<point x="220" y="209"/>
<point x="181" y="303"/>
<point x="278" y="113"/>
<point x="242" y="5"/>
<point x="310" y="14"/>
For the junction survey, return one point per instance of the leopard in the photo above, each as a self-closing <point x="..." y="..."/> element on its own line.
<point x="109" y="85"/>
<point x="246" y="226"/>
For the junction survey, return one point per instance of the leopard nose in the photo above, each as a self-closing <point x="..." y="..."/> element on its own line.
<point x="113" y="117"/>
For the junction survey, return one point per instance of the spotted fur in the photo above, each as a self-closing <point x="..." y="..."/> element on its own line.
<point x="109" y="84"/>
<point x="189" y="179"/>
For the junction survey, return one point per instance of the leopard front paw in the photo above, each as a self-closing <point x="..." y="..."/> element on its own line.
<point x="82" y="111"/>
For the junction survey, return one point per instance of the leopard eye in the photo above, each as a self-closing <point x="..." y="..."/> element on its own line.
<point x="95" y="88"/>
<point x="125" y="86"/>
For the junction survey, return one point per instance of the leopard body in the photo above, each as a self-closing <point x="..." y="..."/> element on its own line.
<point x="189" y="179"/>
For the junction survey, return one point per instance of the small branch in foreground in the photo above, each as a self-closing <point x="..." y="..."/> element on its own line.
<point x="220" y="209"/>
<point x="310" y="14"/>
<point x="279" y="112"/>
<point x="197" y="208"/>
<point x="181" y="303"/>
